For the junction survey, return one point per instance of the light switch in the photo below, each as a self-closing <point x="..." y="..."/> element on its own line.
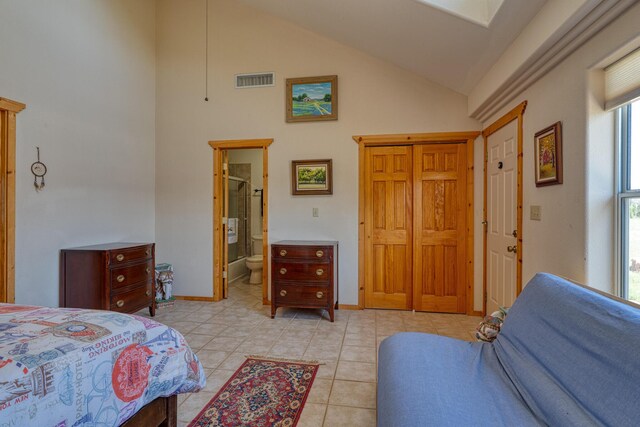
<point x="536" y="213"/>
<point x="315" y="212"/>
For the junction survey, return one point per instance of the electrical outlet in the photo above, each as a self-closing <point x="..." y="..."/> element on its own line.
<point x="536" y="213"/>
<point x="315" y="212"/>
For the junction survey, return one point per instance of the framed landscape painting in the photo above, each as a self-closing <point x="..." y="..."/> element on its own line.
<point x="312" y="99"/>
<point x="311" y="177"/>
<point x="548" y="155"/>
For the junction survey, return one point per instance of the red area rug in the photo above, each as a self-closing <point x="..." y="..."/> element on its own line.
<point x="261" y="393"/>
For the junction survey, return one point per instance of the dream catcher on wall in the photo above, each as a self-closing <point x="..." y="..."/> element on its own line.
<point x="38" y="169"/>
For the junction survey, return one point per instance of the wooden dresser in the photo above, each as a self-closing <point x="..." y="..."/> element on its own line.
<point x="304" y="274"/>
<point x="111" y="276"/>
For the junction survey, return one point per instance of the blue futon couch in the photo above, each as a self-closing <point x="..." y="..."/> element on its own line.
<point x="566" y="356"/>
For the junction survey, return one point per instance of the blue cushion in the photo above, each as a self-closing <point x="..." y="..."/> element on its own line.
<point x="572" y="354"/>
<point x="430" y="380"/>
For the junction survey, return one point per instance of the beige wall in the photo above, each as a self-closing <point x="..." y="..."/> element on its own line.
<point x="375" y="97"/>
<point x="575" y="237"/>
<point x="86" y="70"/>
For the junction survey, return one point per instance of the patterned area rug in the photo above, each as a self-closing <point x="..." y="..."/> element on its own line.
<point x="261" y="393"/>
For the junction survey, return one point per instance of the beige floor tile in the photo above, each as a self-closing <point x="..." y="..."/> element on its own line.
<point x="320" y="391"/>
<point x="318" y="353"/>
<point x="327" y="369"/>
<point x="196" y="342"/>
<point x="358" y="354"/>
<point x="360" y="340"/>
<point x="345" y="416"/>
<point x="211" y="329"/>
<point x="356" y="371"/>
<point x="233" y="362"/>
<point x="191" y="407"/>
<point x="211" y="358"/>
<point x="220" y="343"/>
<point x="352" y="393"/>
<point x="312" y="415"/>
<point x="303" y="335"/>
<point x="291" y="349"/>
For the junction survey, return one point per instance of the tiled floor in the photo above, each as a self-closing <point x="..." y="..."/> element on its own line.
<point x="343" y="393"/>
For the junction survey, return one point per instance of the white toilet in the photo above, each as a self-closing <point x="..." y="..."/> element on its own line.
<point x="254" y="262"/>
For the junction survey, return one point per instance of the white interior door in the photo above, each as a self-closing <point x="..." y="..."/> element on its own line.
<point x="502" y="187"/>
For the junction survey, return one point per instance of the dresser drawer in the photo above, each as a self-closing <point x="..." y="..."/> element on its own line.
<point x="136" y="298"/>
<point x="311" y="271"/>
<point x="300" y="252"/>
<point x="125" y="256"/>
<point x="302" y="295"/>
<point x="132" y="274"/>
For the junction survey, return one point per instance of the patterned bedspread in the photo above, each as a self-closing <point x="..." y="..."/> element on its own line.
<point x="74" y="367"/>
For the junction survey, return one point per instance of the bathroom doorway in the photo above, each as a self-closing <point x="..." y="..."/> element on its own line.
<point x="240" y="216"/>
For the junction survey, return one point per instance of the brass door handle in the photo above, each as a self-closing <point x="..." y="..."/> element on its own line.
<point x="319" y="294"/>
<point x="513" y="249"/>
<point x="283" y="252"/>
<point x="319" y="272"/>
<point x="148" y="293"/>
<point x="283" y="271"/>
<point x="120" y="303"/>
<point x="283" y="293"/>
<point x="120" y="278"/>
<point x="319" y="254"/>
<point x="119" y="257"/>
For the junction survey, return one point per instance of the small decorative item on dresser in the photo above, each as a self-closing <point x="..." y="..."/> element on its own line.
<point x="112" y="276"/>
<point x="304" y="274"/>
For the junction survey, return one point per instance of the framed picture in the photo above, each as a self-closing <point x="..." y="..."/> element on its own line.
<point x="311" y="177"/>
<point x="548" y="155"/>
<point x="312" y="99"/>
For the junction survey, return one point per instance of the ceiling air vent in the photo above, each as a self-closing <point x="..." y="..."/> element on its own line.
<point x="254" y="80"/>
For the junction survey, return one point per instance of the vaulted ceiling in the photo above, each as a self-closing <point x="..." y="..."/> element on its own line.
<point x="450" y="47"/>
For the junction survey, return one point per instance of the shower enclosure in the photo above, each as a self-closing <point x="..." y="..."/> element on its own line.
<point x="239" y="223"/>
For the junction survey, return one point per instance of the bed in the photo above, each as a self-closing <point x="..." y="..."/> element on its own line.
<point x="65" y="367"/>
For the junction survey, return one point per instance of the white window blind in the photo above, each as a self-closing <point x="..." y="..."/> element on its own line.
<point x="622" y="80"/>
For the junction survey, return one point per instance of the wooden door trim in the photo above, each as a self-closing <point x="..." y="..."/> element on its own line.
<point x="218" y="147"/>
<point x="364" y="141"/>
<point x="8" y="111"/>
<point x="515" y="113"/>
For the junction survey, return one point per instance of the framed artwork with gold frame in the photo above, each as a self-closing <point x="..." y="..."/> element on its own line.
<point x="548" y="155"/>
<point x="311" y="99"/>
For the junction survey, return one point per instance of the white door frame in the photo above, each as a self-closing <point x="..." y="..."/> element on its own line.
<point x="512" y="115"/>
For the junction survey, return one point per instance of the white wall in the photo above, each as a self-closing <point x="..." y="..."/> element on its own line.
<point x="375" y="97"/>
<point x="86" y="70"/>
<point x="575" y="237"/>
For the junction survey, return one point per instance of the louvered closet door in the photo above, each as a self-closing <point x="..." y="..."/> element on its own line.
<point x="388" y="227"/>
<point x="440" y="183"/>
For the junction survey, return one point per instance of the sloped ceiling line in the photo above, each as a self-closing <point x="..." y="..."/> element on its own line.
<point x="551" y="54"/>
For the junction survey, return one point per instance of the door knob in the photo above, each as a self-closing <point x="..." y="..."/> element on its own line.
<point x="513" y="249"/>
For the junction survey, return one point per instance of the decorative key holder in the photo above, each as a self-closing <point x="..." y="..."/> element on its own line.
<point x="39" y="170"/>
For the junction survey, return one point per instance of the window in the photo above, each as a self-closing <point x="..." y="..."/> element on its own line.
<point x="629" y="200"/>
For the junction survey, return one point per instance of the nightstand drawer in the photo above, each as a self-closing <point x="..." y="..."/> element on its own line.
<point x="125" y="256"/>
<point x="132" y="274"/>
<point x="306" y="296"/>
<point x="308" y="271"/>
<point x="137" y="298"/>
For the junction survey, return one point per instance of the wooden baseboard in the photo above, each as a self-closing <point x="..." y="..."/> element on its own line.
<point x="348" y="307"/>
<point x="188" y="298"/>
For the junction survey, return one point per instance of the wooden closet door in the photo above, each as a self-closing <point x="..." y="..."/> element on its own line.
<point x="440" y="183"/>
<point x="388" y="227"/>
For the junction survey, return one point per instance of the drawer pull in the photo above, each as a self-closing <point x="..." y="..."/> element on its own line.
<point x="283" y="252"/>
<point x="319" y="254"/>
<point x="120" y="278"/>
<point x="148" y="293"/>
<point x="147" y="252"/>
<point x="119" y="257"/>
<point x="148" y="270"/>
<point x="283" y="271"/>
<point x="120" y="303"/>
<point x="283" y="293"/>
<point x="319" y="272"/>
<point x="319" y="294"/>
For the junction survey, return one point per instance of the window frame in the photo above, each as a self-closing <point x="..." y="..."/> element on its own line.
<point x="624" y="193"/>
